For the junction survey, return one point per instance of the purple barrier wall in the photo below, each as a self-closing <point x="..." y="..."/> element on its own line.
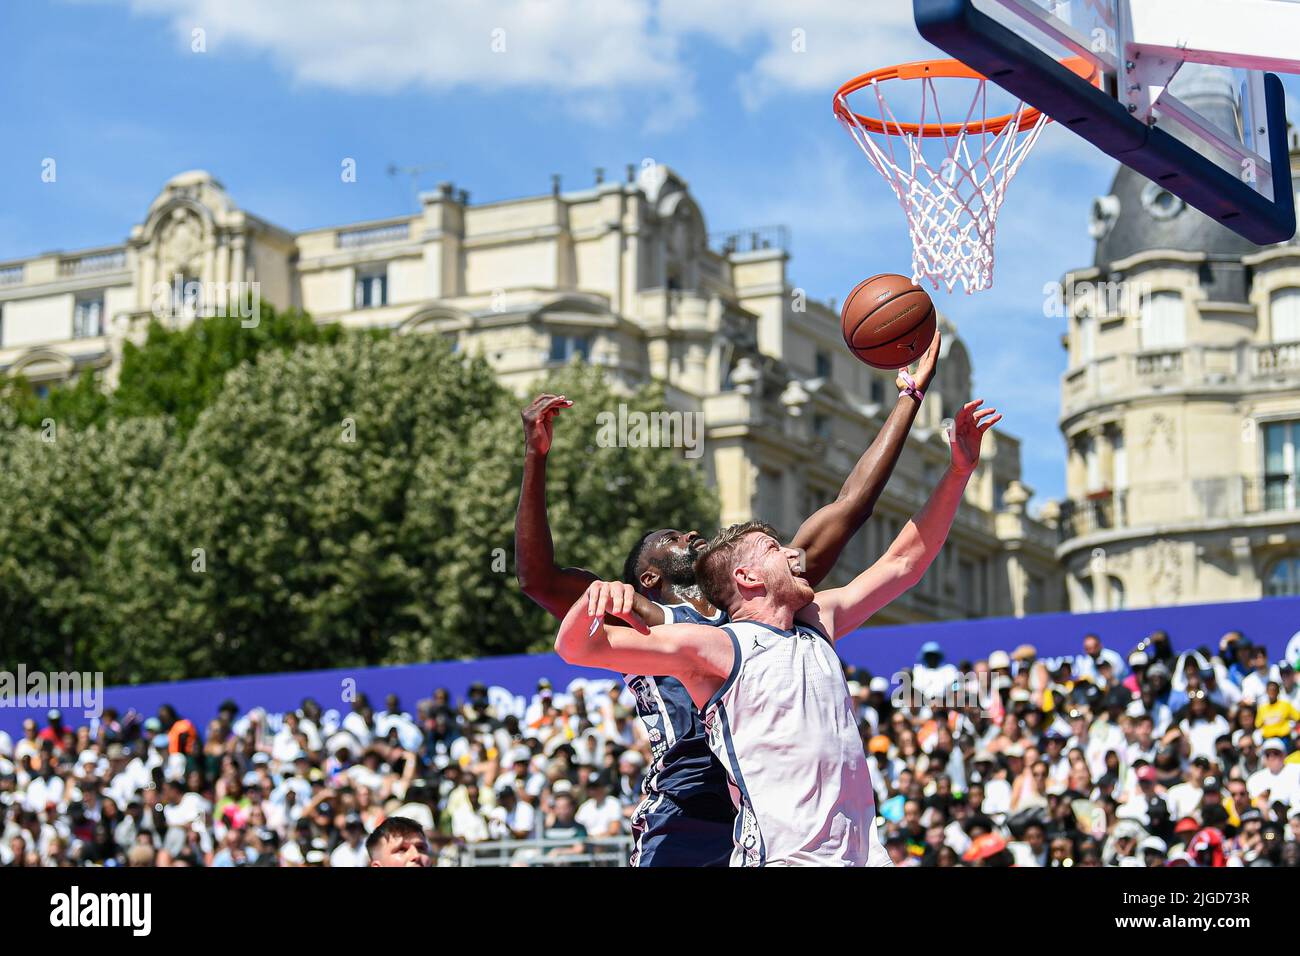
<point x="882" y="650"/>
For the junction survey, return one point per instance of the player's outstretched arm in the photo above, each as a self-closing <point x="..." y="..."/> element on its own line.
<point x="905" y="561"/>
<point x="824" y="534"/>
<point x="553" y="587"/>
<point x="700" y="656"/>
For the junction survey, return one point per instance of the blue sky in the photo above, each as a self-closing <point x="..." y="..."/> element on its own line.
<point x="114" y="92"/>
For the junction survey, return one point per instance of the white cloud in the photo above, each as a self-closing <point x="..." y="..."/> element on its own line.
<point x="592" y="53"/>
<point x="812" y="46"/>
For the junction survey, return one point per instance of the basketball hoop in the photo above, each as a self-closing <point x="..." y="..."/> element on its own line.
<point x="951" y="209"/>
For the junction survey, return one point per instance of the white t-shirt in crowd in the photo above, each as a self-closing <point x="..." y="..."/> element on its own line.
<point x="347" y="855"/>
<point x="356" y="725"/>
<point x="1253" y="686"/>
<point x="503" y="825"/>
<point x="41" y="792"/>
<point x="997" y="796"/>
<point x="597" y="817"/>
<point x="469" y="824"/>
<point x="1202" y="734"/>
<point x="284" y="746"/>
<point x="1283" y="787"/>
<point x="1182" y="800"/>
<point x="1135" y="751"/>
<point x="185" y="814"/>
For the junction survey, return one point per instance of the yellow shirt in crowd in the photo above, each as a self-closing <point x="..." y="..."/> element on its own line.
<point x="1276" y="719"/>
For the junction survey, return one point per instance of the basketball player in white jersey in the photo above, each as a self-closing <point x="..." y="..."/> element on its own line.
<point x="777" y="710"/>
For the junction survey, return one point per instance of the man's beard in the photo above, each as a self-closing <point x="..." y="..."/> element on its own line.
<point x="793" y="591"/>
<point x="678" y="569"/>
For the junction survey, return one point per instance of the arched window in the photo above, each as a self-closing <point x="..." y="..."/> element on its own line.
<point x="1085" y="592"/>
<point x="1163" y="321"/>
<point x="1283" y="578"/>
<point x="1115" y="598"/>
<point x="1284" y="315"/>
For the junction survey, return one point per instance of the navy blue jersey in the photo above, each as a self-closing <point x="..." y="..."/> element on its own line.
<point x="684" y="779"/>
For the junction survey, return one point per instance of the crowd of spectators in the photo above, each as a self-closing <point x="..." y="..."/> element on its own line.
<point x="1149" y="759"/>
<point x="1154" y="759"/>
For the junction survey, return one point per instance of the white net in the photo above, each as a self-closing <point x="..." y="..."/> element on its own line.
<point x="952" y="195"/>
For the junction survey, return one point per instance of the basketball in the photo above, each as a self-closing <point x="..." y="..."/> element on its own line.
<point x="887" y="322"/>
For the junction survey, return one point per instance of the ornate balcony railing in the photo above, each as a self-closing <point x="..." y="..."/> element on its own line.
<point x="1100" y="511"/>
<point x="1159" y="365"/>
<point x="93" y="262"/>
<point x="1282" y="357"/>
<point x="373" y="235"/>
<point x="1214" y="498"/>
<point x="1270" y="493"/>
<point x="1108" y="378"/>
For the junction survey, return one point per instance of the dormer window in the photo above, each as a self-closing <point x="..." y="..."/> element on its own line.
<point x="1101" y="219"/>
<point x="1160" y="202"/>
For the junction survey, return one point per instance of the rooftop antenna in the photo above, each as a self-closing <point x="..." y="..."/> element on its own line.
<point x="415" y="172"/>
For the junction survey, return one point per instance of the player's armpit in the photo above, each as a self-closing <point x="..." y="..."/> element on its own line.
<point x="558" y="589"/>
<point x="844" y="610"/>
<point x="825" y="533"/>
<point x="555" y="588"/>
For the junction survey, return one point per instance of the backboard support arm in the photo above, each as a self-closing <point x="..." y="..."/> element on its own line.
<point x="1239" y="176"/>
<point x="1158" y="36"/>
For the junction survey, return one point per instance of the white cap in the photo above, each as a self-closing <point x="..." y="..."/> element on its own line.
<point x="1273" y="744"/>
<point x="1254" y="735"/>
<point x="1138" y="659"/>
<point x="879" y="685"/>
<point x="419" y="812"/>
<point x="1153" y="843"/>
<point x="342" y="741"/>
<point x="999" y="660"/>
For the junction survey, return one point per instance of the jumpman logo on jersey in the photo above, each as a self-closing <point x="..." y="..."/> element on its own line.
<point x="757" y="646"/>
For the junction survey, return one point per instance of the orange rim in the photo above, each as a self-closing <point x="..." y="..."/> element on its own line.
<point x="943" y="69"/>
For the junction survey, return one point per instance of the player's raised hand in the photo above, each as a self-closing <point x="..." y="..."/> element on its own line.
<point x="926" y="367"/>
<point x="615" y="599"/>
<point x="967" y="434"/>
<point x="538" y="420"/>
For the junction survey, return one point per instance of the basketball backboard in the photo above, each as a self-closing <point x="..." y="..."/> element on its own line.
<point x="1180" y="93"/>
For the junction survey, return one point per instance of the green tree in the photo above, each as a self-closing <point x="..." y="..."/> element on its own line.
<point x="393" y="547"/>
<point x="179" y="372"/>
<point x="64" y="495"/>
<point x="348" y="501"/>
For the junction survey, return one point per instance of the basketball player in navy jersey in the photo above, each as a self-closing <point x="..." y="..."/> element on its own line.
<point x="776" y="709"/>
<point x="687" y="815"/>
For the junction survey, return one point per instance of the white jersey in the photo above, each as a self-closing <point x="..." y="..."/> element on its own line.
<point x="783" y="726"/>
